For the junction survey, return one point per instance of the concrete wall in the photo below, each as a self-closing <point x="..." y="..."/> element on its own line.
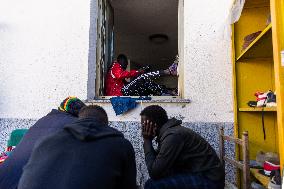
<point x="44" y="49"/>
<point x="47" y="52"/>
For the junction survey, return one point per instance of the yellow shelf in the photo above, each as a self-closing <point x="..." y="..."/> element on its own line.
<point x="261" y="47"/>
<point x="249" y="109"/>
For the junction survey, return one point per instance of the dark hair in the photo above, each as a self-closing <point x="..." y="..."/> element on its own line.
<point x="156" y="114"/>
<point x="122" y="60"/>
<point x="94" y="111"/>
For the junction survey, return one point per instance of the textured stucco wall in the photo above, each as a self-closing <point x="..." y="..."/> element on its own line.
<point x="48" y="48"/>
<point x="43" y="54"/>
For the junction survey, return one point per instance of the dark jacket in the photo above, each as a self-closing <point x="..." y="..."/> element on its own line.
<point x="85" y="155"/>
<point x="182" y="151"/>
<point x="11" y="169"/>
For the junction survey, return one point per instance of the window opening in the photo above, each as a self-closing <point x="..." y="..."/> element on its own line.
<point x="146" y="32"/>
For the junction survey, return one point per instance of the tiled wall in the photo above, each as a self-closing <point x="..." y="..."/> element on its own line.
<point x="132" y="132"/>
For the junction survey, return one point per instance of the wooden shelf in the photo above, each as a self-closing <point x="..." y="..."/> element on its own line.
<point x="256" y="3"/>
<point x="261" y="47"/>
<point x="249" y="109"/>
<point x="264" y="180"/>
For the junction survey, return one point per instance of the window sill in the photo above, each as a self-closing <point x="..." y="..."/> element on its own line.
<point x="157" y="100"/>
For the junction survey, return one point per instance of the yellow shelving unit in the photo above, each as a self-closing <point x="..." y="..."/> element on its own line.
<point x="259" y="68"/>
<point x="277" y="14"/>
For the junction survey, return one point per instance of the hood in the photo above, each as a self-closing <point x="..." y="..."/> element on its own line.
<point x="91" y="129"/>
<point x="171" y="123"/>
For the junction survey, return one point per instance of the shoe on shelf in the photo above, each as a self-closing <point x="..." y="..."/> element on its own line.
<point x="271" y="99"/>
<point x="270" y="168"/>
<point x="261" y="99"/>
<point x="252" y="104"/>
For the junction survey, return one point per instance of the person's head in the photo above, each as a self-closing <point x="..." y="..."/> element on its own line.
<point x="155" y="114"/>
<point x="122" y="60"/>
<point x="94" y="111"/>
<point x="71" y="105"/>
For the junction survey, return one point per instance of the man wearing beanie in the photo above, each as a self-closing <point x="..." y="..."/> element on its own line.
<point x="11" y="169"/>
<point x="87" y="154"/>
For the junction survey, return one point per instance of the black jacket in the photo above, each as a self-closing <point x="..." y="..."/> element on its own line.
<point x="85" y="155"/>
<point x="182" y="151"/>
<point x="11" y="169"/>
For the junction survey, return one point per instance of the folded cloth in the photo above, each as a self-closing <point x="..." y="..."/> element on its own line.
<point x="16" y="137"/>
<point x="122" y="105"/>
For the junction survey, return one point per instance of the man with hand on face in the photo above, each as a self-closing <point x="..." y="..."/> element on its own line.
<point x="183" y="159"/>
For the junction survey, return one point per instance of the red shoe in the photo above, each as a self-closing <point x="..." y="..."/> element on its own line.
<point x="268" y="167"/>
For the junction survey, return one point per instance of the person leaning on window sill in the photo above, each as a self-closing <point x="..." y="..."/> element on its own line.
<point x="117" y="74"/>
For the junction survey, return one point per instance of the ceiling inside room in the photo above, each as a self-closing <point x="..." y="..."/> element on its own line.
<point x="136" y="20"/>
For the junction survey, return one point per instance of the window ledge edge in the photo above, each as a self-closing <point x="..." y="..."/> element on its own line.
<point x="174" y="100"/>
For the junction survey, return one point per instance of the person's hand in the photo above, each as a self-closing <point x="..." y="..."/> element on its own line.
<point x="148" y="130"/>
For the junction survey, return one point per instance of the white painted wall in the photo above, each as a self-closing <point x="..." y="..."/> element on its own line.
<point x="43" y="54"/>
<point x="44" y="57"/>
<point x="208" y="63"/>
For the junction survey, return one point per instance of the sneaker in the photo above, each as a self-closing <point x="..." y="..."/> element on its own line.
<point x="271" y="99"/>
<point x="269" y="167"/>
<point x="261" y="99"/>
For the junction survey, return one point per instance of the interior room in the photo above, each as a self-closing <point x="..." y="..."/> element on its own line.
<point x="147" y="32"/>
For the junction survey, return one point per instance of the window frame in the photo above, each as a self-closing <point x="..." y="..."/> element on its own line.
<point x="180" y="52"/>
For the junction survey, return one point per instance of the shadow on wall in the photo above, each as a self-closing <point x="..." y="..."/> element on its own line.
<point x="92" y="50"/>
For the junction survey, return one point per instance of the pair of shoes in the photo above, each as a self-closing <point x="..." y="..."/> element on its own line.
<point x="267" y="99"/>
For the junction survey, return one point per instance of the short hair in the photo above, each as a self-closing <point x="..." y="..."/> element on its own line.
<point x="94" y="111"/>
<point x="156" y="114"/>
<point x="122" y="57"/>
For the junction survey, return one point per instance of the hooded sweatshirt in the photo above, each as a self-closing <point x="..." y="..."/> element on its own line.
<point x="85" y="155"/>
<point x="12" y="168"/>
<point x="182" y="151"/>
